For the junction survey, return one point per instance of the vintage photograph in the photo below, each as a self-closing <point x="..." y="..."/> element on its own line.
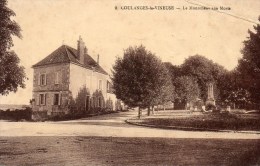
<point x="130" y="82"/>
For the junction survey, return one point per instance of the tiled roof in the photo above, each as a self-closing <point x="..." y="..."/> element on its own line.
<point x="67" y="54"/>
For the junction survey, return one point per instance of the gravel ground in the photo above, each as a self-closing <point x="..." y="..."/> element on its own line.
<point x="127" y="151"/>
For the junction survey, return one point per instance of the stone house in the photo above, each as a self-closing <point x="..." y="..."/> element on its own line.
<point x="58" y="79"/>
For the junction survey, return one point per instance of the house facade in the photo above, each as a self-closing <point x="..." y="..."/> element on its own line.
<point x="69" y="76"/>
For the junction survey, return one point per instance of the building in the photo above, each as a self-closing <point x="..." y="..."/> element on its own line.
<point x="67" y="76"/>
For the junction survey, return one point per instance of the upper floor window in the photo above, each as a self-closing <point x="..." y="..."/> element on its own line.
<point x="100" y="84"/>
<point x="56" y="80"/>
<point x="109" y="87"/>
<point x="42" y="79"/>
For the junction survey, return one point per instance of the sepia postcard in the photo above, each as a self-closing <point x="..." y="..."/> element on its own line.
<point x="130" y="82"/>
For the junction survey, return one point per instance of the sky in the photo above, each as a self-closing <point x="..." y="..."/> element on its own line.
<point x="173" y="35"/>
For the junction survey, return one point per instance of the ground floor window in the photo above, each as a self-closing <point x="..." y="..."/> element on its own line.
<point x="56" y="99"/>
<point x="99" y="102"/>
<point x="42" y="99"/>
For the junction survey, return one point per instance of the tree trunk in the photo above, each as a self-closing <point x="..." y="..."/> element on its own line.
<point x="139" y="112"/>
<point x="164" y="107"/>
<point x="148" y="111"/>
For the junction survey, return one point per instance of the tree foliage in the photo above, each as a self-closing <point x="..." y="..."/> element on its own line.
<point x="249" y="64"/>
<point x="140" y="78"/>
<point x="186" y="88"/>
<point x="12" y="75"/>
<point x="205" y="71"/>
<point x="167" y="90"/>
<point x="232" y="91"/>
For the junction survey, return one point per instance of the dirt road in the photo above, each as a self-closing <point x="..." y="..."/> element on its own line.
<point x="107" y="140"/>
<point x="111" y="125"/>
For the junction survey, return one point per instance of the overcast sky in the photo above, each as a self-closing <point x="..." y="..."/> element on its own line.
<point x="172" y="35"/>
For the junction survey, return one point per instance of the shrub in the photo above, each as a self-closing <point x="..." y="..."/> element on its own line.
<point x="17" y="114"/>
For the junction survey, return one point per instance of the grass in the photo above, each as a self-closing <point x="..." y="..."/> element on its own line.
<point x="211" y="121"/>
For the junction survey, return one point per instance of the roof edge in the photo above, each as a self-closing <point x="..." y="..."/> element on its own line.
<point x="105" y="73"/>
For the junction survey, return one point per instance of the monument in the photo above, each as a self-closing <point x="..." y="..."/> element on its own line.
<point x="210" y="98"/>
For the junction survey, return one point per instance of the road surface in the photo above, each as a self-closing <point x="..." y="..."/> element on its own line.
<point x="111" y="125"/>
<point x="107" y="140"/>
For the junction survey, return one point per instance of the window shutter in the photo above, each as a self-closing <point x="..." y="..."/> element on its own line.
<point x="39" y="79"/>
<point x="57" y="78"/>
<point x="53" y="99"/>
<point x="38" y="99"/>
<point x="44" y="98"/>
<point x="59" y="99"/>
<point x="45" y="80"/>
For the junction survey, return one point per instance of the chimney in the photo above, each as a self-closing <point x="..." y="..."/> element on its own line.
<point x="98" y="59"/>
<point x="81" y="50"/>
<point x="85" y="50"/>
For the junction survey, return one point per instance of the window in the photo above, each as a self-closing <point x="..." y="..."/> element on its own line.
<point x="109" y="87"/>
<point x="56" y="78"/>
<point x="100" y="84"/>
<point x="56" y="99"/>
<point x="42" y="99"/>
<point x="94" y="102"/>
<point x="42" y="79"/>
<point x="99" y="102"/>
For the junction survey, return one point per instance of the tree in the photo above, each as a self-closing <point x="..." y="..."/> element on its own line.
<point x="174" y="71"/>
<point x="249" y="64"/>
<point x="166" y="91"/>
<point x="187" y="89"/>
<point x="138" y="78"/>
<point x="231" y="91"/>
<point x="205" y="71"/>
<point x="12" y="75"/>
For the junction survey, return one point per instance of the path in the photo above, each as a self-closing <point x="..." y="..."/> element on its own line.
<point x="111" y="125"/>
<point x="107" y="140"/>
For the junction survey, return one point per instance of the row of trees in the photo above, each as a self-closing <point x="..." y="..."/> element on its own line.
<point x="192" y="77"/>
<point x="142" y="80"/>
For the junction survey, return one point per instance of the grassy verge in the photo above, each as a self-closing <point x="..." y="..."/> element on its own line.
<point x="218" y="121"/>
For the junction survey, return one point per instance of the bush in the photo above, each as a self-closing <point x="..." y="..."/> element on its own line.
<point x="17" y="114"/>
